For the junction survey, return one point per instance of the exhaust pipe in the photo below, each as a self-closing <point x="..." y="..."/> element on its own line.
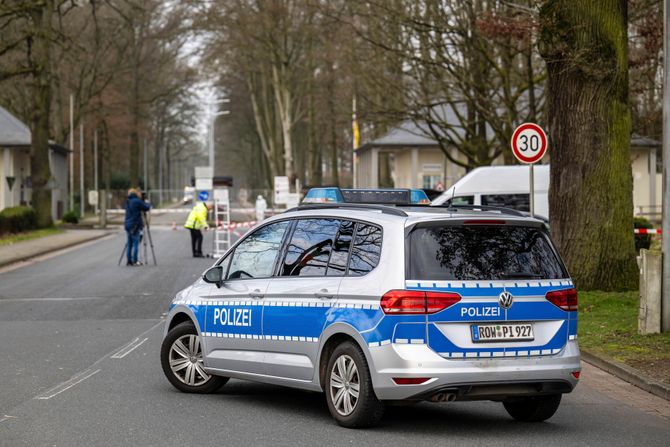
<point x="443" y="397"/>
<point x="439" y="397"/>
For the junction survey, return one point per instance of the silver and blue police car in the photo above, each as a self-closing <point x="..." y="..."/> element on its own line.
<point x="372" y="304"/>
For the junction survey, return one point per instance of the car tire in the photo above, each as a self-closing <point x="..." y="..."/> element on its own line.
<point x="533" y="409"/>
<point x="351" y="399"/>
<point x="182" y="362"/>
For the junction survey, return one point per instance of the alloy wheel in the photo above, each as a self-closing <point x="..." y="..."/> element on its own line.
<point x="344" y="385"/>
<point x="186" y="360"/>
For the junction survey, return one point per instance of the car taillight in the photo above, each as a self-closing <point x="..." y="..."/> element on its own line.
<point x="565" y="299"/>
<point x="417" y="302"/>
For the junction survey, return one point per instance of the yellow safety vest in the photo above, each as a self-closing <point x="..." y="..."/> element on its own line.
<point x="197" y="218"/>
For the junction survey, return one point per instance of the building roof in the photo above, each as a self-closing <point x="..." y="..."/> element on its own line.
<point x="646" y="142"/>
<point x="12" y="131"/>
<point x="407" y="133"/>
<point x="412" y="134"/>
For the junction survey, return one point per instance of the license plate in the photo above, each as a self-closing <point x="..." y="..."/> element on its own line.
<point x="488" y="333"/>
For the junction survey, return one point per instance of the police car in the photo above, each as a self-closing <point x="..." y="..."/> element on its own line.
<point x="372" y="304"/>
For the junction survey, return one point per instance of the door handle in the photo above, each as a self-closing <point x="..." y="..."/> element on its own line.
<point x="256" y="294"/>
<point x="323" y="294"/>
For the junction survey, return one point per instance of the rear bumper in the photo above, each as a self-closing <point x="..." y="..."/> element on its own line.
<point x="471" y="379"/>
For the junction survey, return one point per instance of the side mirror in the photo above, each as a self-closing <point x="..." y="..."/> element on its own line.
<point x="214" y="275"/>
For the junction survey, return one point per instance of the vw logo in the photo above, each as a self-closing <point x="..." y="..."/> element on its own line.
<point x="505" y="300"/>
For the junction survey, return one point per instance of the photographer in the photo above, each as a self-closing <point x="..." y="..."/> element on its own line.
<point x="134" y="224"/>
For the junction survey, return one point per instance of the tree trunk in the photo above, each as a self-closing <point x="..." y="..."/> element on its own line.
<point x="334" y="167"/>
<point x="40" y="171"/>
<point x="590" y="196"/>
<point x="134" y="148"/>
<point x="284" y="100"/>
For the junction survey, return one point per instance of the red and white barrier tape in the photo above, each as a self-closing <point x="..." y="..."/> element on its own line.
<point x="648" y="231"/>
<point x="234" y="225"/>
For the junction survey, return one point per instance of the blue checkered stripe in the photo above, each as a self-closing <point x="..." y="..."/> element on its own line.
<point x="293" y="321"/>
<point x="478" y="295"/>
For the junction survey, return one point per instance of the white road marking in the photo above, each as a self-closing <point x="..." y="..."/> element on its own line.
<point x="127" y="349"/>
<point x="6" y="418"/>
<point x="55" y="391"/>
<point x="83" y="375"/>
<point x="85" y="298"/>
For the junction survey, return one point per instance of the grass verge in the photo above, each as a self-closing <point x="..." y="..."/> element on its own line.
<point x="608" y="326"/>
<point x="28" y="235"/>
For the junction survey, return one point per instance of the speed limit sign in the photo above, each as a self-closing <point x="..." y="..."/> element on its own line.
<point x="529" y="143"/>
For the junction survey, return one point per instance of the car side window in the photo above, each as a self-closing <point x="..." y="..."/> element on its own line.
<point x="308" y="252"/>
<point x="519" y="202"/>
<point x="255" y="256"/>
<point x="340" y="256"/>
<point x="366" y="250"/>
<point x="461" y="200"/>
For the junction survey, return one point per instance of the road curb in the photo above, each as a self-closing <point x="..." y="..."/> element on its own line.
<point x="627" y="373"/>
<point x="53" y="249"/>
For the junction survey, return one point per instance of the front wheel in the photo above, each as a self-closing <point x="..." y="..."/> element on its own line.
<point x="533" y="409"/>
<point x="349" y="394"/>
<point x="181" y="359"/>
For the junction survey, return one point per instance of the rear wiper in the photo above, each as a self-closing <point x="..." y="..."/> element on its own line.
<point x="520" y="275"/>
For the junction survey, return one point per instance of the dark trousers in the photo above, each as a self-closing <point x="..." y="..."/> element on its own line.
<point x="196" y="242"/>
<point x="132" y="245"/>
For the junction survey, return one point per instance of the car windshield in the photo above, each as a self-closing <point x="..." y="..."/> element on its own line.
<point x="482" y="252"/>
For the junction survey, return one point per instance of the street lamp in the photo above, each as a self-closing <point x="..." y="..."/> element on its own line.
<point x="211" y="128"/>
<point x="211" y="137"/>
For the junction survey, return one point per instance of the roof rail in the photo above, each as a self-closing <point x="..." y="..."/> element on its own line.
<point x="501" y="209"/>
<point x="385" y="209"/>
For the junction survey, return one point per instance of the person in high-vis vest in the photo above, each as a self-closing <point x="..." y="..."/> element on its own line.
<point x="197" y="220"/>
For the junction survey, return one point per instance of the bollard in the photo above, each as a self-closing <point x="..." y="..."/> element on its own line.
<point x="649" y="318"/>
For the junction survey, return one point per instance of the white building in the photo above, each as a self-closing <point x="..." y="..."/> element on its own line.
<point x="15" y="181"/>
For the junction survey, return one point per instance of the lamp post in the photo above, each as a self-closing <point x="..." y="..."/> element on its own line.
<point x="211" y="136"/>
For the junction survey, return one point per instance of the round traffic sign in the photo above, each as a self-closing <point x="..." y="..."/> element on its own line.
<point x="529" y="143"/>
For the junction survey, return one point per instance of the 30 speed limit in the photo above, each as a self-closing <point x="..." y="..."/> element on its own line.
<point x="529" y="143"/>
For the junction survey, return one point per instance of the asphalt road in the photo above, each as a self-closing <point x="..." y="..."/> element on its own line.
<point x="79" y="366"/>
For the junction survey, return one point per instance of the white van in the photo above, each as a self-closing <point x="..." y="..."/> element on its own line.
<point x="507" y="186"/>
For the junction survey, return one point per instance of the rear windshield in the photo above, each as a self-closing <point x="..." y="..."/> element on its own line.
<point x="482" y="252"/>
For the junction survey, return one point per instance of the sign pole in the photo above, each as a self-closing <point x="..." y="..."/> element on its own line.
<point x="95" y="166"/>
<point x="532" y="191"/>
<point x="81" y="170"/>
<point x="665" y="301"/>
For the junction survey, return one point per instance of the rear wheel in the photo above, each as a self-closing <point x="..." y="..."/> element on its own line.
<point x="181" y="359"/>
<point x="351" y="399"/>
<point x="533" y="409"/>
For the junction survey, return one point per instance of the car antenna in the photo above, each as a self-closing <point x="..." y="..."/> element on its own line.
<point x="451" y="202"/>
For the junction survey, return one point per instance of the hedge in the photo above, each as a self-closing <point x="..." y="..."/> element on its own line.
<point x="642" y="240"/>
<point x="17" y="219"/>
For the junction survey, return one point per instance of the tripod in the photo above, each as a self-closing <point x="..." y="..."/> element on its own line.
<point x="144" y="242"/>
